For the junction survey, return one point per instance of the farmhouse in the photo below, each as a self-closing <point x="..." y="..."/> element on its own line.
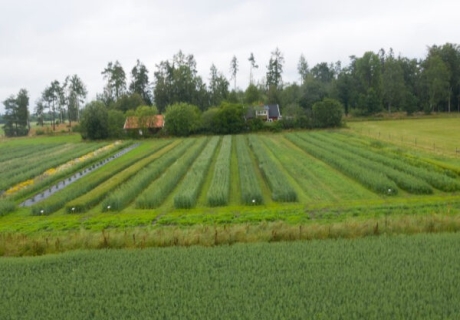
<point x="152" y="123"/>
<point x="269" y="113"/>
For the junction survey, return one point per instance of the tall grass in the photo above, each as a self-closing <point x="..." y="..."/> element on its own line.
<point x="34" y="166"/>
<point x="44" y="182"/>
<point x="191" y="185"/>
<point x="405" y="181"/>
<point x="86" y="184"/>
<point x="282" y="191"/>
<point x="220" y="185"/>
<point x="158" y="190"/>
<point x="373" y="180"/>
<point x="6" y="206"/>
<point x="128" y="191"/>
<point x="96" y="195"/>
<point x="436" y="179"/>
<point x="251" y="192"/>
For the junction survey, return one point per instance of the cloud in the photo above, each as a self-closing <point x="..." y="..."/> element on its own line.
<point x="47" y="40"/>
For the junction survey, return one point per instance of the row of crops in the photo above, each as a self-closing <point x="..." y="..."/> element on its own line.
<point x="400" y="277"/>
<point x="25" y="166"/>
<point x="146" y="179"/>
<point x="185" y="173"/>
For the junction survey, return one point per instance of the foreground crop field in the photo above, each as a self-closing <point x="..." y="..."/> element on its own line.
<point x="401" y="277"/>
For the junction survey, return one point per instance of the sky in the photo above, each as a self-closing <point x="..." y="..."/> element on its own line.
<point x="47" y="40"/>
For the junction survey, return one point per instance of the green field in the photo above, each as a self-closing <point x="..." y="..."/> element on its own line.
<point x="401" y="277"/>
<point x="306" y="178"/>
<point x="434" y="135"/>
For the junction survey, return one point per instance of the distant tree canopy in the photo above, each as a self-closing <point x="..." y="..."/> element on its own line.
<point x="16" y="117"/>
<point x="373" y="83"/>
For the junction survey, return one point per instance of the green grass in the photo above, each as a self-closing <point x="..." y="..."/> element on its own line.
<point x="218" y="193"/>
<point x="97" y="194"/>
<point x="438" y="135"/>
<point x="187" y="194"/>
<point x="24" y="141"/>
<point x="326" y="194"/>
<point x="402" y="277"/>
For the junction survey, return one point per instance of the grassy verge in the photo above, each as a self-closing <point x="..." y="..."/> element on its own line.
<point x="107" y="231"/>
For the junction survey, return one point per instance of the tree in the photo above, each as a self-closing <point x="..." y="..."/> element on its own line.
<point x="218" y="87"/>
<point x="116" y="120"/>
<point x="94" y="121"/>
<point x="39" y="111"/>
<point x="252" y="95"/>
<point x="450" y="55"/>
<point x="144" y="115"/>
<point x="294" y="116"/>
<point x="116" y="80"/>
<point x="275" y="69"/>
<point x="140" y="82"/>
<point x="252" y="60"/>
<point x="436" y="79"/>
<point x="323" y="72"/>
<point x="229" y="119"/>
<point x="74" y="95"/>
<point x="53" y="97"/>
<point x="128" y="102"/>
<point x="393" y="82"/>
<point x="177" y="81"/>
<point x="302" y="67"/>
<point x="182" y="119"/>
<point x="368" y="72"/>
<point x="16" y="115"/>
<point x="327" y="113"/>
<point x="208" y="123"/>
<point x="234" y="70"/>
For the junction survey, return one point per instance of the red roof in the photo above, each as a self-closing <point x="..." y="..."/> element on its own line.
<point x="152" y="122"/>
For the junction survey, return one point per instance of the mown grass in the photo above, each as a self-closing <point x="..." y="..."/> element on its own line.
<point x="24" y="141"/>
<point x="434" y="135"/>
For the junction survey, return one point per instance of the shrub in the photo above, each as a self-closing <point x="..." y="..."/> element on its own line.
<point x="327" y="113"/>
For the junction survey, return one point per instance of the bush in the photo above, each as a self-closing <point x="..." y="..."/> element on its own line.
<point x="182" y="119"/>
<point x="95" y="121"/>
<point x="327" y="113"/>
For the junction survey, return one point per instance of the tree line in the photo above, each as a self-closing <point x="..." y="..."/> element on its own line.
<point x="374" y="83"/>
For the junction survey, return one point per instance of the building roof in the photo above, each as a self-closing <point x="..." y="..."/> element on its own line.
<point x="273" y="111"/>
<point x="152" y="122"/>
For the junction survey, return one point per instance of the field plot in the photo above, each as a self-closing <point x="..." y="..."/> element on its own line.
<point x="294" y="176"/>
<point x="398" y="277"/>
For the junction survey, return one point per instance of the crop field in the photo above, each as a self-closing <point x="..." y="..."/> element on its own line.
<point x="396" y="277"/>
<point x="295" y="177"/>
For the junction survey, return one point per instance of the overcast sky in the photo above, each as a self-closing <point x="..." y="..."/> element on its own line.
<point x="46" y="40"/>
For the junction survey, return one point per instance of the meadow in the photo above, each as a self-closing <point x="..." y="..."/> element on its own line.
<point x="304" y="178"/>
<point x="396" y="277"/>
